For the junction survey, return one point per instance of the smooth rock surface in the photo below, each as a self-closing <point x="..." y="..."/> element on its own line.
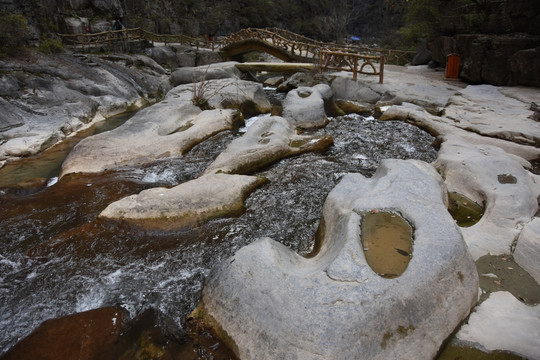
<point x="489" y="176"/>
<point x="192" y="202"/>
<point x="504" y="323"/>
<point x="304" y="106"/>
<point x="170" y="127"/>
<point x="188" y="75"/>
<point x="45" y="96"/>
<point x="266" y="141"/>
<point x="270" y="303"/>
<point x="437" y="125"/>
<point x="527" y="252"/>
<point x="485" y="110"/>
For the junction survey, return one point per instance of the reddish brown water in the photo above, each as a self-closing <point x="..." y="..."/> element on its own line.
<point x="57" y="258"/>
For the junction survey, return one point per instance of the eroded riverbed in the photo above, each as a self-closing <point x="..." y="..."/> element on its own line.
<point x="57" y="259"/>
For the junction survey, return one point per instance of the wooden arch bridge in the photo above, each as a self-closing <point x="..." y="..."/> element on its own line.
<point x="283" y="44"/>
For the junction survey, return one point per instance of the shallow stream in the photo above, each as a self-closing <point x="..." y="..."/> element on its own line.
<point x="57" y="259"/>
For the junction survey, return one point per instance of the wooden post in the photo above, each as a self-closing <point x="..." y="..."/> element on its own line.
<point x="109" y="39"/>
<point x="355" y="67"/>
<point x="381" y="70"/>
<point x="320" y="61"/>
<point x="83" y="38"/>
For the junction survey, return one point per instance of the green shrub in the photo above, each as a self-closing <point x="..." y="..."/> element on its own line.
<point x="50" y="46"/>
<point x="422" y="20"/>
<point x="14" y="33"/>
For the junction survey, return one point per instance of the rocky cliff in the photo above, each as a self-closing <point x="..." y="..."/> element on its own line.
<point x="323" y="20"/>
<point x="498" y="40"/>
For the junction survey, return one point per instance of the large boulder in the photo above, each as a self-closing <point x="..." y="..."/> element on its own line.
<point x="188" y="75"/>
<point x="86" y="335"/>
<point x="497" y="180"/>
<point x="304" y="106"/>
<point x="268" y="302"/>
<point x="267" y="140"/>
<point x="170" y="127"/>
<point x="190" y="203"/>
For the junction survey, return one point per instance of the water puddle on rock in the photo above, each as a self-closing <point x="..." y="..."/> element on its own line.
<point x="502" y="273"/>
<point x="465" y="212"/>
<point x="387" y="243"/>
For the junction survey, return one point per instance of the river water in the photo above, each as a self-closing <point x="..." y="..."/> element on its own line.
<point x="56" y="258"/>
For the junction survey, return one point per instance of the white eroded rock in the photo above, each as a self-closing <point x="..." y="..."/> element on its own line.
<point x="188" y="75"/>
<point x="274" y="304"/>
<point x="504" y="323"/>
<point x="170" y="127"/>
<point x="490" y="176"/>
<point x="304" y="107"/>
<point x="485" y="110"/>
<point x="265" y="141"/>
<point x="527" y="253"/>
<point x="437" y="125"/>
<point x="192" y="202"/>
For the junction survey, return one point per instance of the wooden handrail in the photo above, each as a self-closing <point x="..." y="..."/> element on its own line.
<point x="328" y="55"/>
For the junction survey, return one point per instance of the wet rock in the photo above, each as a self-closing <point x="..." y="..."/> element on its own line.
<point x="86" y="335"/>
<point x="269" y="302"/>
<point x="304" y="106"/>
<point x="188" y="75"/>
<point x="527" y="250"/>
<point x="504" y="323"/>
<point x="190" y="203"/>
<point x="170" y="127"/>
<point x="266" y="141"/>
<point x="473" y="170"/>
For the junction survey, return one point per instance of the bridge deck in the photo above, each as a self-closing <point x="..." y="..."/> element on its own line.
<point x="275" y="67"/>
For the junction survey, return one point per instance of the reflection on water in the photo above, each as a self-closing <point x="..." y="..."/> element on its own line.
<point x="57" y="259"/>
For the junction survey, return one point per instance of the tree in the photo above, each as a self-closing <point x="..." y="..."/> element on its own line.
<point x="14" y="33"/>
<point x="422" y="19"/>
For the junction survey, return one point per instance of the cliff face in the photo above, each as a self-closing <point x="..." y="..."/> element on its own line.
<point x="320" y="19"/>
<point x="498" y="40"/>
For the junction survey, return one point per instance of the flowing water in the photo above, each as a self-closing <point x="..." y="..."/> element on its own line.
<point x="56" y="258"/>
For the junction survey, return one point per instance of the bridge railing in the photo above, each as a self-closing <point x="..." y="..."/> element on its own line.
<point x="112" y="37"/>
<point x="353" y="62"/>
